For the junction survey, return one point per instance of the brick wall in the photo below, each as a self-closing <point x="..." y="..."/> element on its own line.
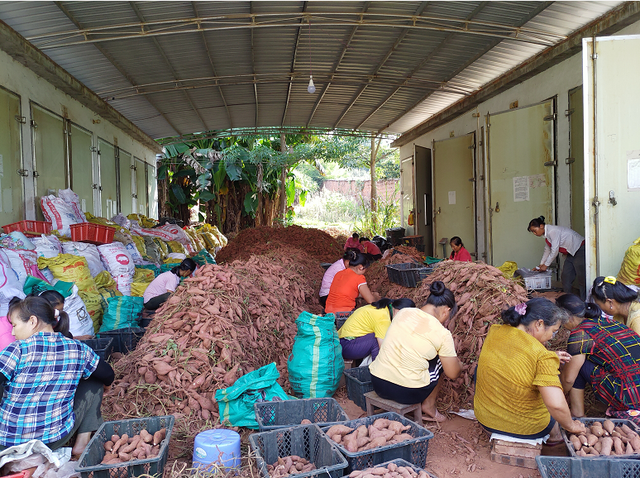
<point x="388" y="189"/>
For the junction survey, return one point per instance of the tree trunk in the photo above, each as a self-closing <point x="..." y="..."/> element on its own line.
<point x="259" y="216"/>
<point x="283" y="178"/>
<point x="374" y="179"/>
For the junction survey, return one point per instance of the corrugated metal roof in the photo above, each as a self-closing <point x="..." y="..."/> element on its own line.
<point x="175" y="68"/>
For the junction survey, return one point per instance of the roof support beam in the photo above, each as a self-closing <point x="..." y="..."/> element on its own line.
<point x="253" y="70"/>
<point x="613" y="21"/>
<point x="113" y="61"/>
<point x="492" y="43"/>
<point x="447" y="39"/>
<point x="138" y="13"/>
<point x="292" y="70"/>
<point x="213" y="68"/>
<point x="26" y="54"/>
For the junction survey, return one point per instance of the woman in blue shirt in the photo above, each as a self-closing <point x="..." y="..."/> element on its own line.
<point x="52" y="385"/>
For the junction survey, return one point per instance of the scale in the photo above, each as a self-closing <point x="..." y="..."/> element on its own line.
<point x="443" y="242"/>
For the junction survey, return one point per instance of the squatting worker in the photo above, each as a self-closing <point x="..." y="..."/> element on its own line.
<point x="458" y="251"/>
<point x="350" y="283"/>
<point x="415" y="351"/>
<point x="327" y="279"/>
<point x="362" y="333"/>
<point x="618" y="300"/>
<point x="518" y="391"/>
<point x="353" y="243"/>
<point x="370" y="248"/>
<point x="162" y="286"/>
<point x="605" y="354"/>
<point x="52" y="385"/>
<point x="568" y="242"/>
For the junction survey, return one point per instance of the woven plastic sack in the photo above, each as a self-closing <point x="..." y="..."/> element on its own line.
<point x="95" y="305"/>
<point x="141" y="247"/>
<point x="154" y="252"/>
<point x="235" y="403"/>
<point x="47" y="246"/>
<point x="138" y="288"/>
<point x="104" y="281"/>
<point x="70" y="268"/>
<point x="119" y="263"/>
<point x="73" y="200"/>
<point x="80" y="322"/>
<point x="630" y="269"/>
<point x="203" y="258"/>
<point x="60" y="214"/>
<point x="121" y="312"/>
<point x="162" y="245"/>
<point x="33" y="285"/>
<point x="88" y="251"/>
<point x="21" y="262"/>
<point x="150" y="267"/>
<point x="315" y="364"/>
<point x="175" y="246"/>
<point x="508" y="269"/>
<point x="10" y="286"/>
<point x="143" y="275"/>
<point x="142" y="220"/>
<point x="16" y="240"/>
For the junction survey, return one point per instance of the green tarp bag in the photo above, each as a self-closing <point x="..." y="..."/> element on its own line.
<point x="315" y="364"/>
<point x="235" y="403"/>
<point x="203" y="258"/>
<point x="121" y="312"/>
<point x="33" y="285"/>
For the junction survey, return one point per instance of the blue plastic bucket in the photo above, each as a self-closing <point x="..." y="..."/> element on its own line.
<point x="217" y="448"/>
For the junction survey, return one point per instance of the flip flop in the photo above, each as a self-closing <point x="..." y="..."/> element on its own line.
<point x="439" y="418"/>
<point x="554" y="442"/>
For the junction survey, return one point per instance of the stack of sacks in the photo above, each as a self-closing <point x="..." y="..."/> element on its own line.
<point x="143" y="220"/>
<point x="47" y="247"/>
<point x="167" y="232"/>
<point x="122" y="312"/>
<point x="62" y="211"/>
<point x="154" y="251"/>
<point x="88" y="251"/>
<point x="196" y="242"/>
<point x="213" y="239"/>
<point x="119" y="263"/>
<point x="141" y="280"/>
<point x="126" y="239"/>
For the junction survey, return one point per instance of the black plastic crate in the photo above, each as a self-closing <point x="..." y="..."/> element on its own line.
<point x="341" y="318"/>
<point x="146" y="317"/>
<point x="408" y="274"/>
<point x="583" y="467"/>
<point x="124" y="340"/>
<point x="590" y="421"/>
<point x="289" y="413"/>
<point x="358" y="383"/>
<point x="102" y="347"/>
<point x="306" y="441"/>
<point x="89" y="464"/>
<point x="414" y="451"/>
<point x="406" y="464"/>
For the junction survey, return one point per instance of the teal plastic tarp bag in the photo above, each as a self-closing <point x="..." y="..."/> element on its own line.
<point x="123" y="311"/>
<point x="203" y="258"/>
<point x="33" y="285"/>
<point x="315" y="364"/>
<point x="235" y="403"/>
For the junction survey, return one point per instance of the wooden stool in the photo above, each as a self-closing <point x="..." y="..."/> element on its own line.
<point x="515" y="454"/>
<point x="373" y="400"/>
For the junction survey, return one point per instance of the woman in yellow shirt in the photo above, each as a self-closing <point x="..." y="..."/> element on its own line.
<point x="362" y="333"/>
<point x="518" y="391"/>
<point x="618" y="300"/>
<point x="416" y="350"/>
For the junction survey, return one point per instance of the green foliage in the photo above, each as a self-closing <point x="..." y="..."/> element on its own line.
<point x="371" y="223"/>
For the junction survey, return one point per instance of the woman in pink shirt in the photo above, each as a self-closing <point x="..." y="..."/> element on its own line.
<point x="353" y="243"/>
<point x="162" y="286"/>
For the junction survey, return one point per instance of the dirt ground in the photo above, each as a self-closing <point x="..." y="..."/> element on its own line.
<point x="459" y="448"/>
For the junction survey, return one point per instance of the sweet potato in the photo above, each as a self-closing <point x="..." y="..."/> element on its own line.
<point x="306" y="421"/>
<point x="618" y="446"/>
<point x="362" y="431"/>
<point x="124" y="456"/>
<point x="340" y="429"/>
<point x="131" y="446"/>
<point x="336" y="438"/>
<point x="398" y="427"/>
<point x="591" y="439"/>
<point x="597" y="429"/>
<point x="146" y="436"/>
<point x="375" y="443"/>
<point x="350" y="442"/>
<point x="598" y="446"/>
<point x="362" y="441"/>
<point x="577" y="445"/>
<point x="402" y="437"/>
<point x="108" y="446"/>
<point x="609" y="426"/>
<point x="581" y="453"/>
<point x="159" y="436"/>
<point x="627" y="430"/>
<point x="381" y="423"/>
<point x="124" y="439"/>
<point x="635" y="443"/>
<point x="629" y="449"/>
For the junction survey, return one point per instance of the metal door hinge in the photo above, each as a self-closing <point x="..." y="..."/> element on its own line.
<point x="551" y="117"/>
<point x="36" y="174"/>
<point x="23" y="172"/>
<point x="135" y="168"/>
<point x="472" y="146"/>
<point x="21" y="119"/>
<point x="595" y="203"/>
<point x="569" y="160"/>
<point x="569" y="112"/>
<point x="134" y="196"/>
<point x="93" y="149"/>
<point x="594" y="56"/>
<point x="33" y="124"/>
<point x="473" y="180"/>
<point x="551" y="163"/>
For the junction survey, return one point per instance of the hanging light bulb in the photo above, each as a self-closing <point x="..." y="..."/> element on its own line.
<point x="311" y="88"/>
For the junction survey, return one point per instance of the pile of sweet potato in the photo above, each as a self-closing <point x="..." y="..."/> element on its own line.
<point x="120" y="449"/>
<point x="380" y="433"/>
<point x="289" y="465"/>
<point x="605" y="438"/>
<point x="390" y="471"/>
<point x="481" y="292"/>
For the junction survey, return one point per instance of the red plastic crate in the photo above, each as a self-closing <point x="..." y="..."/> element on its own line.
<point x="93" y="233"/>
<point x="29" y="228"/>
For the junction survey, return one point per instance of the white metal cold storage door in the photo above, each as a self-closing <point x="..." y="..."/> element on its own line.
<point x="126" y="194"/>
<point x="152" y="191"/>
<point x="82" y="170"/>
<point x="612" y="151"/>
<point x="108" y="181"/>
<point x="454" y="190"/>
<point x="406" y="192"/>
<point x="521" y="181"/>
<point x="11" y="168"/>
<point x="140" y="199"/>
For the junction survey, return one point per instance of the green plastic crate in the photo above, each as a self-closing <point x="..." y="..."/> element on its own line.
<point x="89" y="464"/>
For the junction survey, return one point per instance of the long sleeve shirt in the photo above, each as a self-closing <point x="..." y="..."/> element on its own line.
<point x="559" y="239"/>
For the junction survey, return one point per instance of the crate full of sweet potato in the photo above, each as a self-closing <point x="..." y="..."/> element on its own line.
<point x="605" y="438"/>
